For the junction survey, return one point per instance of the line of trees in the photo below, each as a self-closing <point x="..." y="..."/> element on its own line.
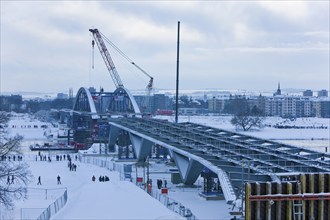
<point x="17" y="104"/>
<point x="14" y="173"/>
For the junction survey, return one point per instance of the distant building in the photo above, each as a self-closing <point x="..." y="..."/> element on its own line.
<point x="273" y="106"/>
<point x="216" y="105"/>
<point x="322" y="93"/>
<point x="278" y="91"/>
<point x="159" y="102"/>
<point x="322" y="108"/>
<point x="289" y="107"/>
<point x="62" y="96"/>
<point x="192" y="111"/>
<point x="155" y="103"/>
<point x="308" y="93"/>
<point x="70" y="93"/>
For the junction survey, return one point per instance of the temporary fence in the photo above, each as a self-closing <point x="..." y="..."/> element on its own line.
<point x="58" y="194"/>
<point x="170" y="203"/>
<point x="47" y="194"/>
<point x="54" y="207"/>
<point x="101" y="162"/>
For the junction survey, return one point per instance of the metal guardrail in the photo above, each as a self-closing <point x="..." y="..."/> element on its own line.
<point x="173" y="205"/>
<point x="53" y="208"/>
<point x="47" y="194"/>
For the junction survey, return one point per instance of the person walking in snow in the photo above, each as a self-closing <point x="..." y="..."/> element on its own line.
<point x="12" y="179"/>
<point x="8" y="180"/>
<point x="59" y="180"/>
<point x="39" y="180"/>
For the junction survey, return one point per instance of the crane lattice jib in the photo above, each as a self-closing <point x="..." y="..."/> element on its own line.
<point x="107" y="58"/>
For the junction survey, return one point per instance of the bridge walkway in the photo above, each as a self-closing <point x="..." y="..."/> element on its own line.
<point x="228" y="153"/>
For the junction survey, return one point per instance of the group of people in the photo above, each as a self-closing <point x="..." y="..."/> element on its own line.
<point x="42" y="157"/>
<point x="72" y="166"/>
<point x="59" y="157"/>
<point x="10" y="180"/>
<point x="160" y="183"/>
<point x="14" y="157"/>
<point x="101" y="178"/>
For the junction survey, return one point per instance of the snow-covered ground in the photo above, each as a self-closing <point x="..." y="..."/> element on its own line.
<point x="114" y="199"/>
<point x="118" y="199"/>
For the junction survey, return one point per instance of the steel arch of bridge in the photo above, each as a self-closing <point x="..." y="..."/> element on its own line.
<point x="84" y="101"/>
<point x="123" y="101"/>
<point x="120" y="101"/>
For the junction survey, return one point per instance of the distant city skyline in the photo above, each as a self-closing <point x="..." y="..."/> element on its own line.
<point x="225" y="45"/>
<point x="192" y="93"/>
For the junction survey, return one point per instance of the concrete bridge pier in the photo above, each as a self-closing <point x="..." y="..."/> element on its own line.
<point x="113" y="135"/>
<point x="141" y="146"/>
<point x="189" y="169"/>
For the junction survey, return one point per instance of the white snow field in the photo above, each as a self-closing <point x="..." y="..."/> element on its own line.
<point x="118" y="199"/>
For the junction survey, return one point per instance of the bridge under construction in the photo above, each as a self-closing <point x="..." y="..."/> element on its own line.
<point x="233" y="157"/>
<point x="265" y="170"/>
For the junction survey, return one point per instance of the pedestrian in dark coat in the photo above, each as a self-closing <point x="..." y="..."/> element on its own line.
<point x="39" y="180"/>
<point x="59" y="180"/>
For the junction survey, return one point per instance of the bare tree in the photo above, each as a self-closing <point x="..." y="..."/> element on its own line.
<point x="14" y="174"/>
<point x="246" y="122"/>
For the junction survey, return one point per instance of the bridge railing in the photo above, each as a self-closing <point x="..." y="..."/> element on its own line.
<point x="226" y="186"/>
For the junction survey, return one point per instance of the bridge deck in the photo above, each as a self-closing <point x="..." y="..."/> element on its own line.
<point x="240" y="156"/>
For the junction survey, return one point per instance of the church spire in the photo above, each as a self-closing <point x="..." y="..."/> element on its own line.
<point x="278" y="92"/>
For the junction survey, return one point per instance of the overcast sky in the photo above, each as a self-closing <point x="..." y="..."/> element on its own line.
<point x="250" y="45"/>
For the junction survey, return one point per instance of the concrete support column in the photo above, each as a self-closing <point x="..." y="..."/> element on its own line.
<point x="113" y="135"/>
<point x="189" y="169"/>
<point x="142" y="147"/>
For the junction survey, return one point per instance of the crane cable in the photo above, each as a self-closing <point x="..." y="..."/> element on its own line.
<point x="124" y="55"/>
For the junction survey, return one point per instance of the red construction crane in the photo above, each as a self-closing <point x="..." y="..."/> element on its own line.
<point x="112" y="69"/>
<point x="106" y="57"/>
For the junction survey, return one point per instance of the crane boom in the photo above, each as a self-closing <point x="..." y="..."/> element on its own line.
<point x="107" y="58"/>
<point x="151" y="80"/>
